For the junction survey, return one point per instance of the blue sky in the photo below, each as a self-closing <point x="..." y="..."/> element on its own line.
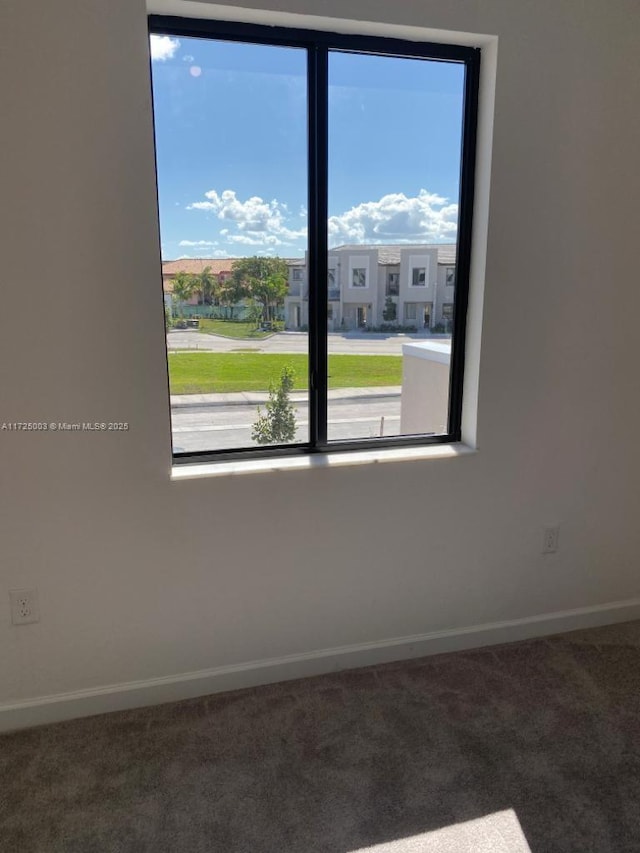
<point x="231" y="146"/>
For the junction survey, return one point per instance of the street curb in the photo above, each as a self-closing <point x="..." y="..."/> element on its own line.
<point x="261" y="399"/>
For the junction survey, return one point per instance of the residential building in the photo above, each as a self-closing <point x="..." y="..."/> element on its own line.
<point x="222" y="269"/>
<point x="373" y="285"/>
<point x="219" y="267"/>
<point x="368" y="286"/>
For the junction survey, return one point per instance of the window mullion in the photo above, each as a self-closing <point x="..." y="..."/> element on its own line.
<point x="317" y="244"/>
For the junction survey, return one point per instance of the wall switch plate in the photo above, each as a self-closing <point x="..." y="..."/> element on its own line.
<point x="24" y="606"/>
<point x="550" y="539"/>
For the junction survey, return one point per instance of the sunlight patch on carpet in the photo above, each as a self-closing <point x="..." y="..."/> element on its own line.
<point x="499" y="832"/>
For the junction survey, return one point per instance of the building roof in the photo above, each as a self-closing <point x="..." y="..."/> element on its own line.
<point x="194" y="266"/>
<point x="388" y="255"/>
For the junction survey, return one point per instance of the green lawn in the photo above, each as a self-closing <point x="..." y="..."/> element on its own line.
<point x="209" y="372"/>
<point x="242" y="331"/>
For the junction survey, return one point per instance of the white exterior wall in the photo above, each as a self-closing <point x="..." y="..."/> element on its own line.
<point x="144" y="578"/>
<point x="354" y="297"/>
<point x="411" y="258"/>
<point x="424" y="402"/>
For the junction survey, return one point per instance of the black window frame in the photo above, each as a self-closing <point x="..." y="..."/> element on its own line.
<point x="318" y="44"/>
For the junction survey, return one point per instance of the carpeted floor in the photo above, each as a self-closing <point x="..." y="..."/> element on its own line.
<point x="528" y="747"/>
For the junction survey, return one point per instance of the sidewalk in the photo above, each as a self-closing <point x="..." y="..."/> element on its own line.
<point x="255" y="398"/>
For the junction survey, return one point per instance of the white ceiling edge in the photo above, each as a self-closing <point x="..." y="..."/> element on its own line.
<point x="220" y="12"/>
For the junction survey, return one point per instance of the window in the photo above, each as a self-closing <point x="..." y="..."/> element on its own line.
<point x="334" y="291"/>
<point x="447" y="311"/>
<point x="327" y="178"/>
<point x="450" y="276"/>
<point x="418" y="277"/>
<point x="359" y="277"/>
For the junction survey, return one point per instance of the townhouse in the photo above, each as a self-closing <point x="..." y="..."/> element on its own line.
<point x="368" y="286"/>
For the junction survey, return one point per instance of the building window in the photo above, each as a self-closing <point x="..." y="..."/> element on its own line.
<point x="451" y="276"/>
<point x="447" y="311"/>
<point x="410" y="311"/>
<point x="359" y="277"/>
<point x="334" y="291"/>
<point x="418" y="277"/>
<point x="306" y="84"/>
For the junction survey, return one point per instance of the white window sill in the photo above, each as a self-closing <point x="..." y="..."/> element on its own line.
<point x="319" y="460"/>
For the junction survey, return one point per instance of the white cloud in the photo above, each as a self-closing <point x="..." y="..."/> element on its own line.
<point x="256" y="222"/>
<point x="394" y="218"/>
<point x="163" y="47"/>
<point x="397" y="218"/>
<point x="197" y="243"/>
<point x="255" y="240"/>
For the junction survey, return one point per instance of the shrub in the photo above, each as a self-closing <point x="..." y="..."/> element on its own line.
<point x="278" y="424"/>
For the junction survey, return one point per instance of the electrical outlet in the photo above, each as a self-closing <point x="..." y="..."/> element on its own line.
<point x="24" y="606"/>
<point x="550" y="539"/>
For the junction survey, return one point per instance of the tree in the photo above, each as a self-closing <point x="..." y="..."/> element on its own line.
<point x="183" y="287"/>
<point x="390" y="311"/>
<point x="231" y="292"/>
<point x="278" y="424"/>
<point x="263" y="279"/>
<point x="168" y="318"/>
<point x="207" y="285"/>
<point x="254" y="314"/>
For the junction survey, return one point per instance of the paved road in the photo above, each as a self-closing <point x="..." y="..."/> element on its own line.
<point x="218" y="427"/>
<point x="350" y="343"/>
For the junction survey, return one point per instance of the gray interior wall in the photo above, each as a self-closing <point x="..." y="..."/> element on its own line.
<point x="142" y="577"/>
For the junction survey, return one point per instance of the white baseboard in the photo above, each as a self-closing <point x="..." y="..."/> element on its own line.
<point x="171" y="688"/>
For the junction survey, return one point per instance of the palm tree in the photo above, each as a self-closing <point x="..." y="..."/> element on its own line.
<point x="183" y="287"/>
<point x="207" y="284"/>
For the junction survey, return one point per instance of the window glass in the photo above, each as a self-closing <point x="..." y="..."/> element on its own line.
<point x="393" y="284"/>
<point x="359" y="278"/>
<point x="418" y="277"/>
<point x="231" y="142"/>
<point x="393" y="198"/>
